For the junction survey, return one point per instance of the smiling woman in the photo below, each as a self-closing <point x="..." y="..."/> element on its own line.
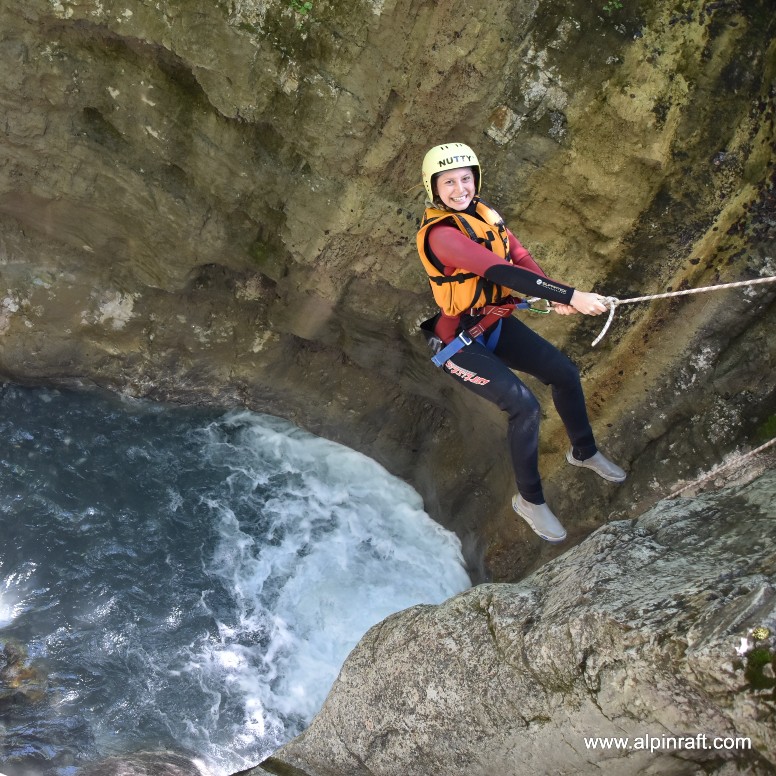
<point x="476" y="266"/>
<point x="456" y="188"/>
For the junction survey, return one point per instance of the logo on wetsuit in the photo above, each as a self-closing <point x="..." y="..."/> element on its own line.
<point x="465" y="374"/>
<point x="551" y="286"/>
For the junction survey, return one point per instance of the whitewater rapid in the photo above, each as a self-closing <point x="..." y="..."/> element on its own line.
<point x="189" y="579"/>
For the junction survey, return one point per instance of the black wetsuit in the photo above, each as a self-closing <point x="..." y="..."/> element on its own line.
<point x="488" y="374"/>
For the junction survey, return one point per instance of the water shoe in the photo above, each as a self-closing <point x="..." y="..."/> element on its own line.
<point x="600" y="464"/>
<point x="540" y="518"/>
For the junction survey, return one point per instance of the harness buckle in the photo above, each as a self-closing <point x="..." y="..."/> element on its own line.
<point x="435" y="344"/>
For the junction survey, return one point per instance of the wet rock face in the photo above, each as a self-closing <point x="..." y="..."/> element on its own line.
<point x="661" y="630"/>
<point x="20" y="681"/>
<point x="213" y="202"/>
<point x="144" y="764"/>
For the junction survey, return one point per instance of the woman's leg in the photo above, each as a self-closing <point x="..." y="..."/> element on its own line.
<point x="483" y="373"/>
<point x="524" y="350"/>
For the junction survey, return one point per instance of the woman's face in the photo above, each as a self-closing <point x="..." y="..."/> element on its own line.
<point x="456" y="187"/>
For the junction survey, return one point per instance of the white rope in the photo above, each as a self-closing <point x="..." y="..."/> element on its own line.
<point x="613" y="301"/>
<point x="717" y="470"/>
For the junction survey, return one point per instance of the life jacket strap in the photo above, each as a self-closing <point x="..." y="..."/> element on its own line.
<point x="440" y="281"/>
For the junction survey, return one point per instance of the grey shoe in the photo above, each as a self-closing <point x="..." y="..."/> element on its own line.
<point x="540" y="518"/>
<point x="600" y="464"/>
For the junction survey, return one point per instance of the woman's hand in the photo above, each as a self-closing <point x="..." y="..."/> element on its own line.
<point x="588" y="303"/>
<point x="563" y="309"/>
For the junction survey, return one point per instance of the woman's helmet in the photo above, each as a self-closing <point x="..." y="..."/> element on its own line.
<point x="448" y="157"/>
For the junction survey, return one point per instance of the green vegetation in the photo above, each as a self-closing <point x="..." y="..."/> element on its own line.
<point x="755" y="673"/>
<point x="767" y="430"/>
<point x="612" y="6"/>
<point x="302" y="8"/>
<point x="759" y="662"/>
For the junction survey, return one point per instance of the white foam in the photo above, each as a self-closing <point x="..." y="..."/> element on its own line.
<point x="303" y="544"/>
<point x="7" y="610"/>
<point x="341" y="545"/>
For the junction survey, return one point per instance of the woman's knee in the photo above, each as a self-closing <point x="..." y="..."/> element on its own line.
<point x="518" y="401"/>
<point x="565" y="374"/>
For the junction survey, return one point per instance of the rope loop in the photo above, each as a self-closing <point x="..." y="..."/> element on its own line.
<point x="613" y="301"/>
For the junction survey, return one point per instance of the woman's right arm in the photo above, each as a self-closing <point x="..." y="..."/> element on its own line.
<point x="456" y="251"/>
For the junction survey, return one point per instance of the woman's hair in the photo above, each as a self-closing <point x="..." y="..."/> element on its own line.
<point x="434" y="188"/>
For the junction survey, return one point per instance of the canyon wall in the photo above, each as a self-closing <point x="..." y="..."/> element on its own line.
<point x="216" y="202"/>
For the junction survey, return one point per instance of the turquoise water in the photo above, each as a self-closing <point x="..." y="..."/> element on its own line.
<point x="176" y="578"/>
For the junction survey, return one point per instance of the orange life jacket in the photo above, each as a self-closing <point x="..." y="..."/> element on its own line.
<point x="461" y="290"/>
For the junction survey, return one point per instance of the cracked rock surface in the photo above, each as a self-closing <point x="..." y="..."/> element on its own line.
<point x="634" y="633"/>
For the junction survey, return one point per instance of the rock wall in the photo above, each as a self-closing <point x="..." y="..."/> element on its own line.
<point x="660" y="630"/>
<point x="214" y="202"/>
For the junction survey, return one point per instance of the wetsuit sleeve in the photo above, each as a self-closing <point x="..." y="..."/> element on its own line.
<point x="456" y="251"/>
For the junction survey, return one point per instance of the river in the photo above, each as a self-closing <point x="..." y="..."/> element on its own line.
<point x="188" y="579"/>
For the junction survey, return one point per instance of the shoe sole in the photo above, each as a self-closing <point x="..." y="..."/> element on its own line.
<point x="551" y="540"/>
<point x="574" y="462"/>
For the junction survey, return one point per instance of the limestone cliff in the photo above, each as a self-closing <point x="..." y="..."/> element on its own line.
<point x="212" y="201"/>
<point x="659" y="630"/>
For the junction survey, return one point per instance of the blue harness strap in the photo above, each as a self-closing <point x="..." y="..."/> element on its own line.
<point x="466" y="337"/>
<point x="463" y="339"/>
<point x="491" y="340"/>
<point x="452" y="347"/>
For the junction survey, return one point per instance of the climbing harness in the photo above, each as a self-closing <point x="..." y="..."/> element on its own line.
<point x="493" y="314"/>
<point x="612" y="301"/>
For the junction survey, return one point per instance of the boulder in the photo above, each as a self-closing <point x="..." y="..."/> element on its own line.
<point x="647" y="648"/>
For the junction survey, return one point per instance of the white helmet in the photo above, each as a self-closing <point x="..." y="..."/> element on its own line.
<point x="448" y="157"/>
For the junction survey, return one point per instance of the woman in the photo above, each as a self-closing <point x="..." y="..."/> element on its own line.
<point x="475" y="264"/>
